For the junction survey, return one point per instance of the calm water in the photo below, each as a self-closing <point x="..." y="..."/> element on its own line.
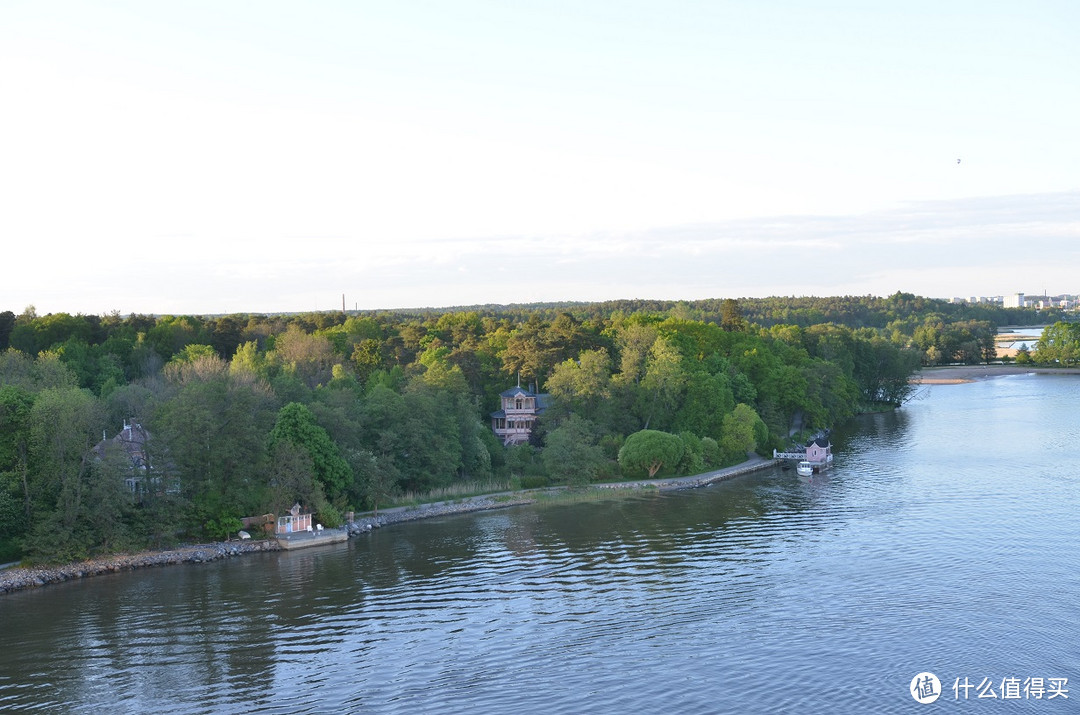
<point x="944" y="540"/>
<point x="1030" y="336"/>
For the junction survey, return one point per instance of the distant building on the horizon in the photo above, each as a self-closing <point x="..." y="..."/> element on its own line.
<point x="1064" y="301"/>
<point x="1016" y="300"/>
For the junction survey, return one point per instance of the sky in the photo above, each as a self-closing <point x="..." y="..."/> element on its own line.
<point x="226" y="157"/>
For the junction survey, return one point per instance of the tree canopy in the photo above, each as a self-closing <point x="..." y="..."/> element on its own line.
<point x="247" y="413"/>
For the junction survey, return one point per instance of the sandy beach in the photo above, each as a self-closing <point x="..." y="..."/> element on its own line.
<point x="958" y="374"/>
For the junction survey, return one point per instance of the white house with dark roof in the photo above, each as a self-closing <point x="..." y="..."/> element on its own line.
<point x="513" y="424"/>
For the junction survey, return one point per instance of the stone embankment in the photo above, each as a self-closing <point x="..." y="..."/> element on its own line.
<point x="429" y="511"/>
<point x="19" y="578"/>
<point x="16" y="579"/>
<point x="752" y="464"/>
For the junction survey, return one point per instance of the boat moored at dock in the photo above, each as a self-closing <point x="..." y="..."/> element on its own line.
<point x="816" y="458"/>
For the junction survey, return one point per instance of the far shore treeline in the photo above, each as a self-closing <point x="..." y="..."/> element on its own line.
<point x="247" y="414"/>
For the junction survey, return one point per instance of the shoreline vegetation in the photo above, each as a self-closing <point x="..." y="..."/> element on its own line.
<point x="121" y="434"/>
<point x="19" y="578"/>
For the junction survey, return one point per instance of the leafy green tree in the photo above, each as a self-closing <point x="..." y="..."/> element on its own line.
<point x="376" y="480"/>
<point x="522" y="460"/>
<point x="663" y="385"/>
<point x="107" y="518"/>
<point x="63" y="423"/>
<point x="227" y="336"/>
<point x="1023" y="355"/>
<point x="248" y="360"/>
<point x="367" y="357"/>
<point x="12" y="522"/>
<point x="7" y="324"/>
<point x="296" y="425"/>
<point x="310" y="358"/>
<point x="708" y="399"/>
<point x="445" y="383"/>
<point x="392" y="379"/>
<point x="170" y="334"/>
<point x="213" y="432"/>
<point x="710" y="453"/>
<point x="693" y="456"/>
<point x="831" y="343"/>
<point x="193" y="353"/>
<point x="17" y="370"/>
<point x="831" y="396"/>
<point x="583" y="385"/>
<point x="883" y="369"/>
<point x="51" y="373"/>
<point x="528" y="353"/>
<point x="634" y="342"/>
<point x="38" y="334"/>
<point x="650" y="451"/>
<point x="571" y="452"/>
<point x="1059" y="343"/>
<point x="414" y="434"/>
<point x="731" y="318"/>
<point x="744" y="431"/>
<point x="15" y="408"/>
<point x="292" y="480"/>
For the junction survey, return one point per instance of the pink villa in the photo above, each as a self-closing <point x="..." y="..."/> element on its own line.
<point x="294" y="521"/>
<point x="513" y="424"/>
<point x="817" y="456"/>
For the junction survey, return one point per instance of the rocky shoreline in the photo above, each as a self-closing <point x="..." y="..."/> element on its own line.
<point x="20" y="578"/>
<point x="364" y="524"/>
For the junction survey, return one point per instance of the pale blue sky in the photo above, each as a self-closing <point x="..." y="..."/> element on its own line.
<point x="259" y="156"/>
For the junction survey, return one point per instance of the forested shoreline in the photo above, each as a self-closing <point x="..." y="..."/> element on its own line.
<point x="247" y="414"/>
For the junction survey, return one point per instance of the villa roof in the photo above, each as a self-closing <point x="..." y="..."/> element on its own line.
<point x="132" y="440"/>
<point x="519" y="390"/>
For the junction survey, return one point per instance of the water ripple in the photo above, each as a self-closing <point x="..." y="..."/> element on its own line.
<point x="764" y="594"/>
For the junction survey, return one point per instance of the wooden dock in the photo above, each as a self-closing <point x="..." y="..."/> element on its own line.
<point x="307" y="539"/>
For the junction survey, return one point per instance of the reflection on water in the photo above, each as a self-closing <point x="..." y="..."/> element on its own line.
<point x="942" y="540"/>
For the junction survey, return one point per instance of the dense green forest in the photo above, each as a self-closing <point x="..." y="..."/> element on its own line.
<point x="250" y="413"/>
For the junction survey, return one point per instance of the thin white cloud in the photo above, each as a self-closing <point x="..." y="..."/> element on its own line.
<point x="984" y="246"/>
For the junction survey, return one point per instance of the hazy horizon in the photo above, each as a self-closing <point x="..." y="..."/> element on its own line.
<point x="214" y="158"/>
